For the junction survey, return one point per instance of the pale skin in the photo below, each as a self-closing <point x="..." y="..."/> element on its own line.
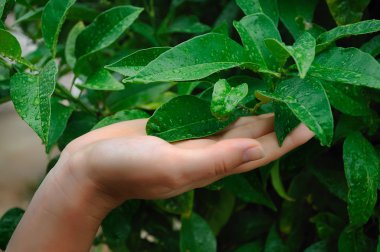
<point x="102" y="169"/>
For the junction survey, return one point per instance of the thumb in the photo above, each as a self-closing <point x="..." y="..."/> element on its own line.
<point x="220" y="158"/>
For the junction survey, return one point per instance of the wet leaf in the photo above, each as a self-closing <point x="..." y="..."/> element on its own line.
<point x="347" y="11"/>
<point x="70" y="44"/>
<point x="10" y="48"/>
<point x="102" y="80"/>
<point x="181" y="204"/>
<point x="188" y="24"/>
<point x="269" y="8"/>
<point x="284" y="121"/>
<point x="121" y="116"/>
<point x="372" y="46"/>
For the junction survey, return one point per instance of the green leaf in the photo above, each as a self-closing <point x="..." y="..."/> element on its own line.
<point x="255" y="246"/>
<point x="284" y="121"/>
<point x="31" y="97"/>
<point x="4" y="91"/>
<point x="187" y="24"/>
<point x="196" y="235"/>
<point x="348" y="99"/>
<point x="372" y="46"/>
<point x="102" y="80"/>
<point x="347" y="11"/>
<point x="182" y="204"/>
<point x="354" y="241"/>
<point x="347" y="65"/>
<point x="293" y="10"/>
<point x="131" y="64"/>
<point x="105" y="29"/>
<point x="320" y="246"/>
<point x="308" y="101"/>
<point x="274" y="241"/>
<point x="135" y="95"/>
<point x="60" y="114"/>
<point x="121" y="116"/>
<point x="53" y="17"/>
<point x="184" y="117"/>
<point x="10" y="48"/>
<point x="269" y="8"/>
<point x="253" y="41"/>
<point x="194" y="59"/>
<point x="226" y="98"/>
<point x="328" y="225"/>
<point x="277" y="182"/>
<point x="2" y="5"/>
<point x="8" y="224"/>
<point x="361" y="167"/>
<point x="303" y="51"/>
<point x="70" y="44"/>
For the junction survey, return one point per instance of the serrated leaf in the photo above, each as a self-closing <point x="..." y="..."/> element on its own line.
<point x="372" y="46"/>
<point x="53" y="17"/>
<point x="348" y="99"/>
<point x="361" y="166"/>
<point x="8" y="224"/>
<point x="10" y="48"/>
<point x="360" y="28"/>
<point x="196" y="235"/>
<point x="347" y="11"/>
<point x="347" y="65"/>
<point x="131" y="64"/>
<point x="253" y="40"/>
<point x="308" y="101"/>
<point x="105" y="29"/>
<point x="31" y="97"/>
<point x="181" y="204"/>
<point x="70" y="44"/>
<point x="269" y="8"/>
<point x="226" y="98"/>
<point x="302" y="51"/>
<point x="194" y="59"/>
<point x="284" y="121"/>
<point x="121" y="116"/>
<point x="102" y="80"/>
<point x="184" y="117"/>
<point x="291" y="11"/>
<point x="60" y="114"/>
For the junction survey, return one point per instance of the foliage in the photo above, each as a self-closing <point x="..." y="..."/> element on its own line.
<point x="193" y="67"/>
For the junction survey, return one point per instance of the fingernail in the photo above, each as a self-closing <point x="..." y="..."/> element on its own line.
<point x="253" y="154"/>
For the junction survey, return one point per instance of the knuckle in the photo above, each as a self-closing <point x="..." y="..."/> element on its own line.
<point x="220" y="167"/>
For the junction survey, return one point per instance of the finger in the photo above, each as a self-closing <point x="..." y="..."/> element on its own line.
<point x="272" y="149"/>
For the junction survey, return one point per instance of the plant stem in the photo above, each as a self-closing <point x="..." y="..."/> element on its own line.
<point x="67" y="95"/>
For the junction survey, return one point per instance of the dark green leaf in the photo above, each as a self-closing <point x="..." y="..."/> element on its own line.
<point x="269" y="8"/>
<point x="2" y="5"/>
<point x="184" y="117"/>
<point x="60" y="114"/>
<point x="347" y="11"/>
<point x="4" y="91"/>
<point x="372" y="46"/>
<point x="10" y="48"/>
<point x="274" y="241"/>
<point x="188" y="24"/>
<point x="105" y="29"/>
<point x="53" y="17"/>
<point x="321" y="246"/>
<point x="116" y="228"/>
<point x="186" y="88"/>
<point x="354" y="241"/>
<point x="306" y="98"/>
<point x="133" y="63"/>
<point x="361" y="166"/>
<point x="347" y="65"/>
<point x="225" y="99"/>
<point x="182" y="204"/>
<point x="8" y="224"/>
<point x="193" y="59"/>
<point x="303" y="51"/>
<point x="196" y="235"/>
<point x="255" y="246"/>
<point x="102" y="80"/>
<point x="121" y="116"/>
<point x="328" y="225"/>
<point x="70" y="44"/>
<point x="284" y="121"/>
<point x="31" y="97"/>
<point x="293" y="10"/>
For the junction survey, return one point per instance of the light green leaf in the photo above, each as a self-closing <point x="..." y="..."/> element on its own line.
<point x="308" y="101"/>
<point x="226" y="98"/>
<point x="277" y="182"/>
<point x="360" y="28"/>
<point x="268" y="7"/>
<point x="347" y="11"/>
<point x="70" y="44"/>
<point x="253" y="31"/>
<point x="348" y="99"/>
<point x="181" y="204"/>
<point x="293" y="10"/>
<point x="303" y="51"/>
<point x="53" y="17"/>
<point x="131" y="64"/>
<point x="135" y="95"/>
<point x="372" y="46"/>
<point x="105" y="29"/>
<point x="361" y="166"/>
<point x="10" y="48"/>
<point x="8" y="224"/>
<point x="60" y="114"/>
<point x="31" y="97"/>
<point x="193" y="59"/>
<point x="196" y="235"/>
<point x="347" y="65"/>
<point x="121" y="116"/>
<point x="102" y="80"/>
<point x="30" y="15"/>
<point x="184" y="117"/>
<point x="187" y="24"/>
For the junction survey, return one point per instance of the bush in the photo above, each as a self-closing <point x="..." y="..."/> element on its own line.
<point x="197" y="61"/>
